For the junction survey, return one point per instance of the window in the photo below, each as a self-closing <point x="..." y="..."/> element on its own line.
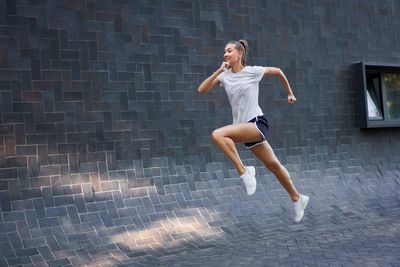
<point x="379" y="94"/>
<point x="392" y="86"/>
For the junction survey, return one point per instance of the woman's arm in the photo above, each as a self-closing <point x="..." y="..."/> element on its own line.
<point x="271" y="71"/>
<point x="212" y="81"/>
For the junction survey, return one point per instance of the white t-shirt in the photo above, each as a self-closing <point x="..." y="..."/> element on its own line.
<point x="242" y="89"/>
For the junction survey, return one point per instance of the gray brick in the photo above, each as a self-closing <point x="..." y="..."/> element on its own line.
<point x="13" y="216"/>
<point x="80" y="203"/>
<point x="7" y="227"/>
<point x="45" y="250"/>
<point x="96" y="206"/>
<point x="71" y="189"/>
<point x="63" y="200"/>
<point x="127" y="212"/>
<point x="8" y="173"/>
<point x="56" y="211"/>
<point x="106" y="219"/>
<point x="19" y="261"/>
<point x="47" y="193"/>
<point x="39" y="182"/>
<point x="26" y="252"/>
<point x="48" y="222"/>
<point x="15" y="241"/>
<point x="39" y="208"/>
<point x="23" y="230"/>
<point x="5" y="201"/>
<point x="88" y="192"/>
<point x="7" y="250"/>
<point x="31" y="219"/>
<point x="73" y="214"/>
<point x="117" y="200"/>
<point x="103" y="196"/>
<point x="90" y="217"/>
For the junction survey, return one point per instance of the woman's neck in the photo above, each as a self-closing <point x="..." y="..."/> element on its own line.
<point x="236" y="68"/>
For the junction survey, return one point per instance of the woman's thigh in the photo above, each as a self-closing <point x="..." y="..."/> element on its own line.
<point x="240" y="132"/>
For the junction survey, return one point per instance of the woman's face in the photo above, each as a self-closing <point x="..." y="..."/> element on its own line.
<point x="231" y="54"/>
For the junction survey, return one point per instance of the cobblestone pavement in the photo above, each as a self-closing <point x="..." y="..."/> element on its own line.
<point x="351" y="222"/>
<point x="334" y="237"/>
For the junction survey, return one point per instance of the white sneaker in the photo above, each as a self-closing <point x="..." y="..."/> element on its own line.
<point x="299" y="207"/>
<point x="249" y="180"/>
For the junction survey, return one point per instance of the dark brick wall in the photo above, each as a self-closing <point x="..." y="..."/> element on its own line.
<point x="110" y="87"/>
<point x="99" y="105"/>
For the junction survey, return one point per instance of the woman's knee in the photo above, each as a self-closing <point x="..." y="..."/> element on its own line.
<point x="216" y="135"/>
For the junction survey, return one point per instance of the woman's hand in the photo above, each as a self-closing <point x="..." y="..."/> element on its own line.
<point x="225" y="65"/>
<point x="291" y="99"/>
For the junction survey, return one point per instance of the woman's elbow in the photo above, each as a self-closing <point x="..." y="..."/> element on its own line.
<point x="279" y="72"/>
<point x="201" y="90"/>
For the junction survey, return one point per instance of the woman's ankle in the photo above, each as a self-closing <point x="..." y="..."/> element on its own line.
<point x="295" y="197"/>
<point x="241" y="170"/>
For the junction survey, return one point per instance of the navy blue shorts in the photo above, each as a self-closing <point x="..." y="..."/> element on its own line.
<point x="261" y="123"/>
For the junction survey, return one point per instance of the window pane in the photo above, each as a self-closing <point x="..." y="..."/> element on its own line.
<point x="374" y="97"/>
<point x="392" y="84"/>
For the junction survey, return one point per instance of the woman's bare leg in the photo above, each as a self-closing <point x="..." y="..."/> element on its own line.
<point x="265" y="153"/>
<point x="226" y="137"/>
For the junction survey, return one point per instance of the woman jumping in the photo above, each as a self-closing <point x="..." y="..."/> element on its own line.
<point x="250" y="126"/>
